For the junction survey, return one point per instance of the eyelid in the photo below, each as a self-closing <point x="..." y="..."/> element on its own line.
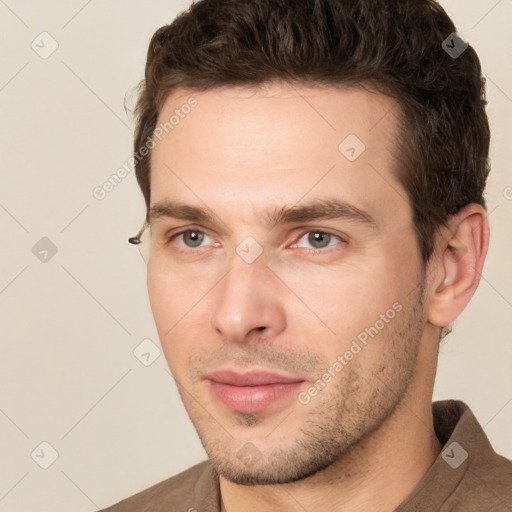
<point x="328" y="231"/>
<point x="170" y="236"/>
<point x="342" y="238"/>
<point x="172" y="232"/>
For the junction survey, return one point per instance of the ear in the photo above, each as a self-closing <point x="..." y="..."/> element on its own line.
<point x="457" y="263"/>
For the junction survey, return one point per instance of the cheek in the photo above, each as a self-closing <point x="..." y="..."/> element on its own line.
<point x="161" y="302"/>
<point x="336" y="306"/>
<point x="180" y="317"/>
<point x="329" y="308"/>
<point x="341" y="294"/>
<point x="404" y="266"/>
<point x="171" y="300"/>
<point x="167" y="308"/>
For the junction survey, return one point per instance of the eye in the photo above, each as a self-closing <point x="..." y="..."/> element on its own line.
<point x="192" y="238"/>
<point x="319" y="239"/>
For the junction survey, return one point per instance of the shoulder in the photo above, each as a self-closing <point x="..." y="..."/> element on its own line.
<point x="482" y="476"/>
<point x="489" y="479"/>
<point x="468" y="475"/>
<point x="186" y="490"/>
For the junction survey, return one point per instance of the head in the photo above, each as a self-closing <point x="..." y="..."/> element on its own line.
<point x="316" y="209"/>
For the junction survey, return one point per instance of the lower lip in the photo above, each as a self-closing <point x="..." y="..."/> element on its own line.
<point x="252" y="398"/>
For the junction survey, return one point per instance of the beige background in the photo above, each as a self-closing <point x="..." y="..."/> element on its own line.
<point x="68" y="375"/>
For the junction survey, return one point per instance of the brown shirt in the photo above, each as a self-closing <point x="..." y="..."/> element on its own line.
<point x="467" y="476"/>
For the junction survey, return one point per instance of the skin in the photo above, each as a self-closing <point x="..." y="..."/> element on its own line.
<point x="366" y="439"/>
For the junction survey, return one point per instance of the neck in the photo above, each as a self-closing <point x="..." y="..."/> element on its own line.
<point x="376" y="474"/>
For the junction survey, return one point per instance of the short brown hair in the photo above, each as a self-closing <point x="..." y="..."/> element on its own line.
<point x="394" y="46"/>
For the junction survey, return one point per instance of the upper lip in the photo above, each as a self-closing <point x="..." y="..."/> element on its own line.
<point x="251" y="378"/>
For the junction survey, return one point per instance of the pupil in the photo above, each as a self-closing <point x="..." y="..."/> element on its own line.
<point x="319" y="237"/>
<point x="195" y="237"/>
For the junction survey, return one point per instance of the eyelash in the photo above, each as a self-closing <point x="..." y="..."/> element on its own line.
<point x="301" y="235"/>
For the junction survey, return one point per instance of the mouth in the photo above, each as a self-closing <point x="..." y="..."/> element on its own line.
<point x="253" y="391"/>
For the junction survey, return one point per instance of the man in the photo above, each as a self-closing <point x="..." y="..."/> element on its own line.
<point x="313" y="173"/>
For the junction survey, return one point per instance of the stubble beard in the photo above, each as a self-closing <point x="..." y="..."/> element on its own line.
<point x="356" y="403"/>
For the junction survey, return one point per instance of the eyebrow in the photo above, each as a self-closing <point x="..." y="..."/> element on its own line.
<point x="314" y="210"/>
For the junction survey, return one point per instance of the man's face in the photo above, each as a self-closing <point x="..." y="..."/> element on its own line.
<point x="290" y="337"/>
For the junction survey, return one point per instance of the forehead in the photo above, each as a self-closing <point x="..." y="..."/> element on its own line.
<point x="290" y="112"/>
<point x="275" y="144"/>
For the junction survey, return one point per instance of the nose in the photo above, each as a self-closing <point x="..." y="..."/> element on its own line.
<point x="248" y="301"/>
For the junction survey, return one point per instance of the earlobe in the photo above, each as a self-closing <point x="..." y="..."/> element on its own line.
<point x="460" y="250"/>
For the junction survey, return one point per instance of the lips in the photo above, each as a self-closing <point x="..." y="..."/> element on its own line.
<point x="252" y="391"/>
<point x="255" y="378"/>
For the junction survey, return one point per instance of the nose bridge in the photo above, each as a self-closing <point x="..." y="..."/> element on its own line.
<point x="246" y="299"/>
<point x="240" y="292"/>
